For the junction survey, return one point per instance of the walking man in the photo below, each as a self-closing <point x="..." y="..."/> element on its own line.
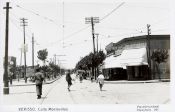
<point x="100" y="80"/>
<point x="68" y="79"/>
<point x="39" y="77"/>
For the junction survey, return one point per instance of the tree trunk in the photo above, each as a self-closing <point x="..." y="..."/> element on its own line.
<point x="158" y="70"/>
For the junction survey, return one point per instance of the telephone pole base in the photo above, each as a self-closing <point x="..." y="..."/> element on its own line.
<point x="6" y="90"/>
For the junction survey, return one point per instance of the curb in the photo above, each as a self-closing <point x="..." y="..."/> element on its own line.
<point x="135" y="82"/>
<point x="35" y="84"/>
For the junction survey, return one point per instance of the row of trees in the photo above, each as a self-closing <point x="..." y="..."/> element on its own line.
<point x="94" y="60"/>
<point x="50" y="70"/>
<point x="91" y="60"/>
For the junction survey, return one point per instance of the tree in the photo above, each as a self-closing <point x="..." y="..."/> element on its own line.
<point x="159" y="56"/>
<point x="98" y="58"/>
<point x="87" y="62"/>
<point x="42" y="55"/>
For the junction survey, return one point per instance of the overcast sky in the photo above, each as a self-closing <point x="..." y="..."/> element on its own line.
<point x="46" y="18"/>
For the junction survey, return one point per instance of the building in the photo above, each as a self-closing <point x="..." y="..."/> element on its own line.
<point x="129" y="59"/>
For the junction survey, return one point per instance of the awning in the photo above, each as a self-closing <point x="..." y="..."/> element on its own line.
<point x="112" y="62"/>
<point x="134" y="57"/>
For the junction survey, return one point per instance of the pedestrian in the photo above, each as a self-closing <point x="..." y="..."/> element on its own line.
<point x="44" y="75"/>
<point x="69" y="80"/>
<point x="73" y="77"/>
<point x="92" y="78"/>
<point x="10" y="76"/>
<point x="81" y="77"/>
<point x="39" y="77"/>
<point x="100" y="80"/>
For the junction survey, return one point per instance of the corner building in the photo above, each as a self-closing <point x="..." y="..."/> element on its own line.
<point x="129" y="59"/>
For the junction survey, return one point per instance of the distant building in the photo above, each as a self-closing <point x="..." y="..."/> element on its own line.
<point x="128" y="59"/>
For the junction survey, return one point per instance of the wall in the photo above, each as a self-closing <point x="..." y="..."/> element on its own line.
<point x="162" y="42"/>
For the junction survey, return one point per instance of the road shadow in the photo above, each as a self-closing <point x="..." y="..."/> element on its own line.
<point x="72" y="90"/>
<point x="103" y="90"/>
<point x="44" y="97"/>
<point x="22" y="93"/>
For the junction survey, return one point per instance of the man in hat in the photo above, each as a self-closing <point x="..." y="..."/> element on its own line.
<point x="39" y="77"/>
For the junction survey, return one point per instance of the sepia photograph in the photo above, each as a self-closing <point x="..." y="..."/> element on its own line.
<point x="91" y="56"/>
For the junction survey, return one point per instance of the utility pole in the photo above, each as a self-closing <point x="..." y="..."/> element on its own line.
<point x="148" y="48"/>
<point x="24" y="23"/>
<point x="60" y="64"/>
<point x="97" y="69"/>
<point x="92" y="20"/>
<point x="93" y="37"/>
<point x="55" y="59"/>
<point x="5" y="77"/>
<point x="56" y="56"/>
<point x="97" y="41"/>
<point x="20" y="56"/>
<point x="33" y="51"/>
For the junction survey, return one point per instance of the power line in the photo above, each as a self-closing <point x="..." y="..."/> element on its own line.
<point x="37" y="14"/>
<point x="82" y="29"/>
<point x="63" y="24"/>
<point x="69" y="36"/>
<point x="112" y="11"/>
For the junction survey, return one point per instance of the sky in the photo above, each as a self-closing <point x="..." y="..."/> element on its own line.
<point x="45" y="19"/>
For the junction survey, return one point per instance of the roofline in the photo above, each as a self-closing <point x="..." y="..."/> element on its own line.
<point x="139" y="37"/>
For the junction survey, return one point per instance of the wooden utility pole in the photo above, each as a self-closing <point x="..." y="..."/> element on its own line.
<point x="5" y="77"/>
<point x="56" y="56"/>
<point x="97" y="41"/>
<point x="148" y="48"/>
<point x="55" y="59"/>
<point x="93" y="37"/>
<point x="24" y="23"/>
<point x="92" y="20"/>
<point x="20" y="56"/>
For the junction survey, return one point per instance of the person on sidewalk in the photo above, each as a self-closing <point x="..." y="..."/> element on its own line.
<point x="68" y="79"/>
<point x="10" y="77"/>
<point x="39" y="77"/>
<point x="100" y="80"/>
<point x="81" y="77"/>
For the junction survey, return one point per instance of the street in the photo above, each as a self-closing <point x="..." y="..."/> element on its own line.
<point x="89" y="93"/>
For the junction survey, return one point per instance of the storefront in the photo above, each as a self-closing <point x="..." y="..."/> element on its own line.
<point x="136" y="62"/>
<point x="113" y="70"/>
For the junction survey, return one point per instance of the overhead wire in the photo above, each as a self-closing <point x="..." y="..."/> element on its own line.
<point x="104" y="17"/>
<point x="80" y="30"/>
<point x="39" y="15"/>
<point x="112" y="11"/>
<point x="84" y="28"/>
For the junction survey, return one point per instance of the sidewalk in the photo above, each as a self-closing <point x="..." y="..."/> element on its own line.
<point x="21" y="82"/>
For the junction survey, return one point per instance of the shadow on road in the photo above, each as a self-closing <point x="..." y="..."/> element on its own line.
<point x="72" y="90"/>
<point x="103" y="90"/>
<point x="43" y="97"/>
<point x="22" y="93"/>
